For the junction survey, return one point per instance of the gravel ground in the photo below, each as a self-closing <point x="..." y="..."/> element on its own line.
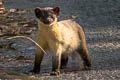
<point x="101" y="22"/>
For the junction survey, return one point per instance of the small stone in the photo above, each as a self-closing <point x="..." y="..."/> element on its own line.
<point x="12" y="10"/>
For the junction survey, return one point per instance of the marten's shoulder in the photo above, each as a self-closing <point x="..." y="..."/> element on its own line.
<point x="69" y="24"/>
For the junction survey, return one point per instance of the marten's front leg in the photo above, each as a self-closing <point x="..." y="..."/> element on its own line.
<point x="38" y="59"/>
<point x="39" y="55"/>
<point x="56" y="60"/>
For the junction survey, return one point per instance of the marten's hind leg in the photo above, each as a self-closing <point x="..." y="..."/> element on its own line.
<point x="83" y="51"/>
<point x="64" y="61"/>
<point x="85" y="57"/>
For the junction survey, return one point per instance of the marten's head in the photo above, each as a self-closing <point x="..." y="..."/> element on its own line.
<point x="47" y="16"/>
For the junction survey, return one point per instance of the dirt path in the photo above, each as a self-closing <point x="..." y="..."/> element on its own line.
<point x="100" y="20"/>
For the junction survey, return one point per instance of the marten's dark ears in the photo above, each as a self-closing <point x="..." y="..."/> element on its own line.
<point x="56" y="10"/>
<point x="37" y="12"/>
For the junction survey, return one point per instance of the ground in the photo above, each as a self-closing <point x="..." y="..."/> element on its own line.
<point x="100" y="20"/>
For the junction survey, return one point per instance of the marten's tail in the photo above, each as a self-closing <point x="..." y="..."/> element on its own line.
<point x="73" y="17"/>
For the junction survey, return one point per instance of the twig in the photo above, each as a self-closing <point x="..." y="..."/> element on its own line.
<point x="14" y="37"/>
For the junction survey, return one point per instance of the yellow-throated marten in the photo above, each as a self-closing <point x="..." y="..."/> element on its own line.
<point x="60" y="38"/>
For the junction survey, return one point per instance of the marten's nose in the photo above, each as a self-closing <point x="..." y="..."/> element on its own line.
<point x="46" y="22"/>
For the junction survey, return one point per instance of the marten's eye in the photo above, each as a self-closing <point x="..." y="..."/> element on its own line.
<point x="40" y="13"/>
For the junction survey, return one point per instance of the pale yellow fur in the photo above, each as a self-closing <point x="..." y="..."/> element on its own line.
<point x="59" y="33"/>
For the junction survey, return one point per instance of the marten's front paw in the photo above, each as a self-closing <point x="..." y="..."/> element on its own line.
<point x="55" y="73"/>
